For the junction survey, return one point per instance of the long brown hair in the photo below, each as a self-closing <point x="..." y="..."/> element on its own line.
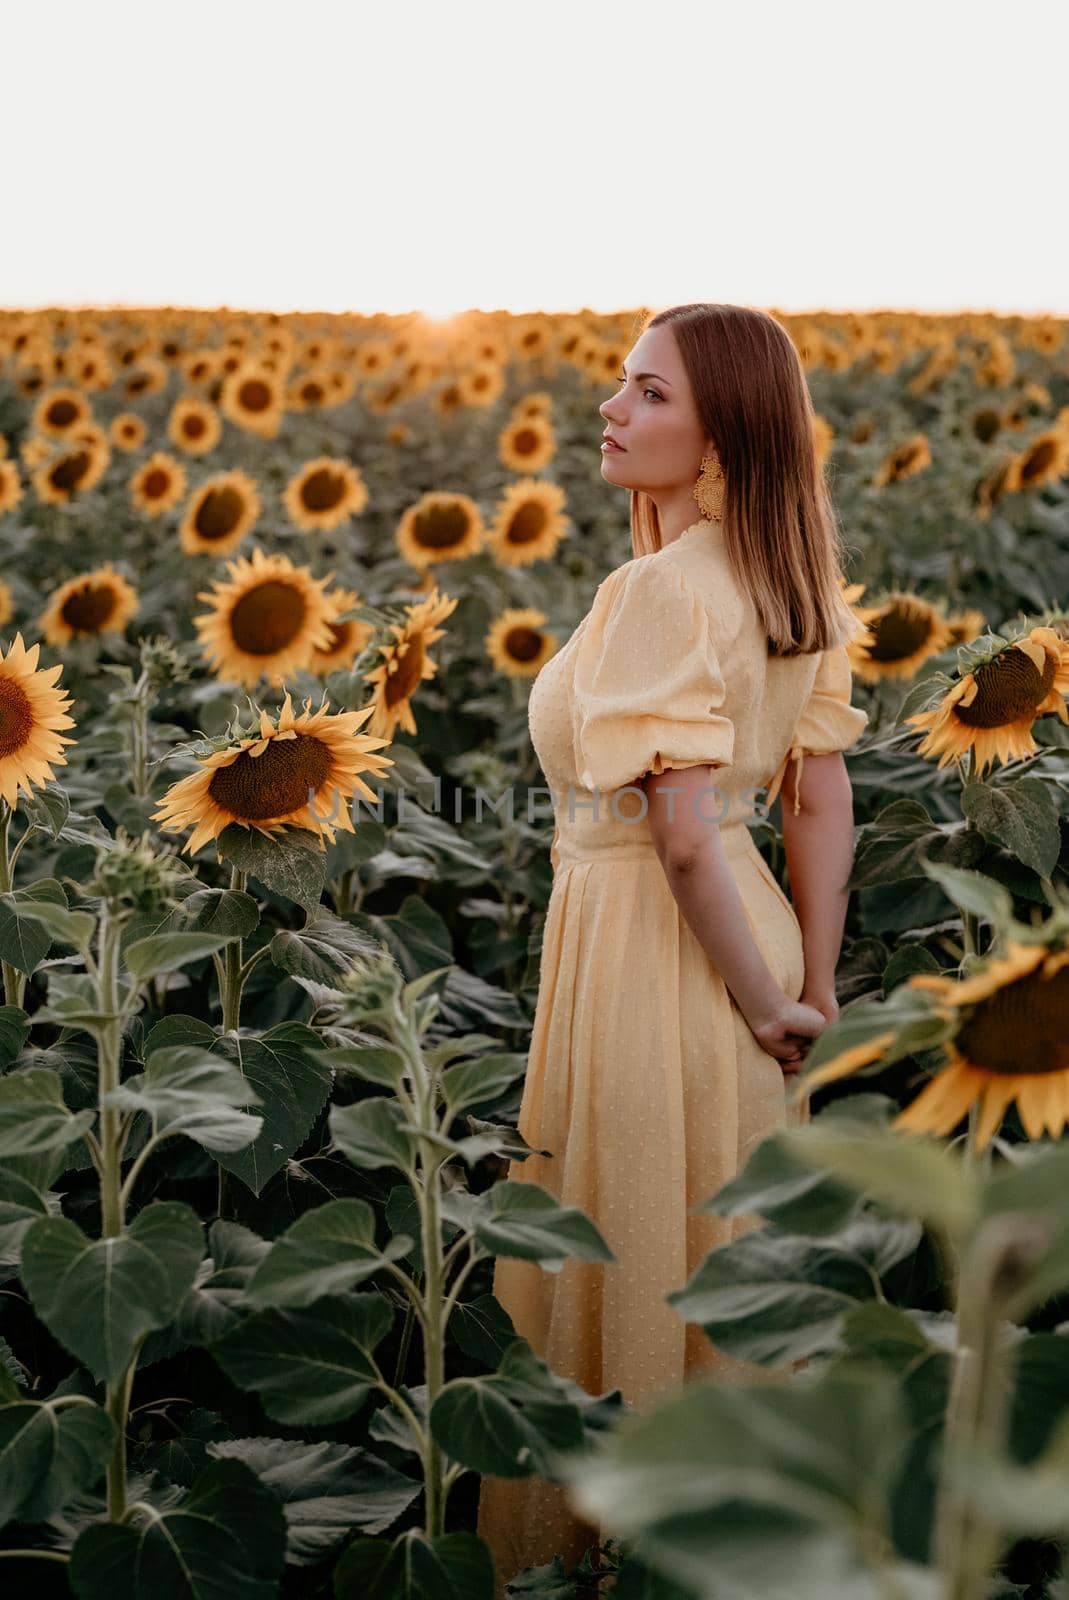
<point x="780" y="528"/>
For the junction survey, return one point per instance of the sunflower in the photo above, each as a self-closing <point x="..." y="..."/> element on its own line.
<point x="291" y="773"/>
<point x="324" y="493"/>
<point x="310" y="392"/>
<point x="904" y="461"/>
<point x="440" y="527"/>
<point x="32" y="711"/>
<point x="158" y="485"/>
<point x="266" y="621"/>
<point x="902" y="633"/>
<point x="150" y="376"/>
<point x="348" y="638"/>
<point x="528" y="525"/>
<point x="517" y="643"/>
<point x="405" y="663"/>
<point x="7" y="604"/>
<point x="254" y="399"/>
<point x="10" y="487"/>
<point x="481" y="385"/>
<point x="1045" y="460"/>
<point x="199" y="368"/>
<point x="967" y="625"/>
<point x="537" y="404"/>
<point x="527" y="444"/>
<point x="72" y="471"/>
<point x="398" y="433"/>
<point x="823" y="437"/>
<point x="59" y="411"/>
<point x="128" y="431"/>
<point x="991" y="709"/>
<point x="1010" y="1043"/>
<point x="194" y="426"/>
<point x="219" y="514"/>
<point x="100" y="601"/>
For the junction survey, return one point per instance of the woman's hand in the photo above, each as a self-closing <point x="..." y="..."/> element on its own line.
<point x="824" y="1000"/>
<point x="786" y="1033"/>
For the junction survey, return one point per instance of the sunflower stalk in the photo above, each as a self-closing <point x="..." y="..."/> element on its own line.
<point x="970" y="920"/>
<point x="967" y="1542"/>
<point x="14" y="980"/>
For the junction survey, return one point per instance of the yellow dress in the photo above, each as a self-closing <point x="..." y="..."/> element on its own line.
<point x="643" y="1078"/>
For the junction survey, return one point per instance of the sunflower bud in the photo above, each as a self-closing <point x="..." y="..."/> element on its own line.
<point x="373" y="983"/>
<point x="163" y="663"/>
<point x="132" y="875"/>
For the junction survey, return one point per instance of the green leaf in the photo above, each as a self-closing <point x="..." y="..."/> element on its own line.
<point x="972" y="891"/>
<point x="328" y="1251"/>
<point x="773" y="1298"/>
<point x="910" y="1174"/>
<point x="33" y="1116"/>
<point x="453" y="1566"/>
<point x="776" y="1184"/>
<point x="326" y="1488"/>
<point x="99" y="1296"/>
<point x="310" y="1368"/>
<point x="228" y="912"/>
<point x="14" y="1027"/>
<point x="225" y="1540"/>
<point x="322" y="951"/>
<point x="48" y="1453"/>
<point x="167" y="952"/>
<point x="780" y="1489"/>
<point x="289" y="863"/>
<point x="1022" y="816"/>
<point x="525" y="1220"/>
<point x="284" y="1069"/>
<point x="470" y="1083"/>
<point x="512" y="1422"/>
<point x="188" y="1090"/>
<point x="374" y="1133"/>
<point x="377" y="1063"/>
<point x="179" y="1029"/>
<point x="24" y="937"/>
<point x="21" y="1203"/>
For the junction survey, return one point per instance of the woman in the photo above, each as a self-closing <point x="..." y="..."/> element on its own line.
<point x="679" y="987"/>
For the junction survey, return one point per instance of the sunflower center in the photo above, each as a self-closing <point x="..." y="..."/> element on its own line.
<point x="1007" y="689"/>
<point x="267" y="618"/>
<point x="1021" y="1027"/>
<point x="527" y="524"/>
<point x="322" y="490"/>
<point x="275" y="783"/>
<point x="523" y="644"/>
<point x="899" y="632"/>
<point x="16" y="716"/>
<point x="193" y="427"/>
<point x="403" y="683"/>
<point x="439" y="527"/>
<point x="218" y="513"/>
<point x="526" y="441"/>
<point x="255" y="395"/>
<point x="1039" y="460"/>
<point x="61" y="413"/>
<point x="87" y="609"/>
<point x="69" y="471"/>
<point x="312" y="392"/>
<point x="157" y="483"/>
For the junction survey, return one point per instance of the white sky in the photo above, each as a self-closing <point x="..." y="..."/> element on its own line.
<point x="439" y="154"/>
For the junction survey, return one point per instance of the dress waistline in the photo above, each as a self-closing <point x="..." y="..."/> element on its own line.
<point x="573" y="850"/>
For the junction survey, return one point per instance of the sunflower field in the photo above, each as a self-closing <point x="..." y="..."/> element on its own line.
<point x="274" y="591"/>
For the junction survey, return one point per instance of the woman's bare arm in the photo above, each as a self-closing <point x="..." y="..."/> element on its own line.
<point x="704" y="887"/>
<point x="819" y="845"/>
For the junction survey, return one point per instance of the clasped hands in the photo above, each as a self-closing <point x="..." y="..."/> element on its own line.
<point x="789" y="1029"/>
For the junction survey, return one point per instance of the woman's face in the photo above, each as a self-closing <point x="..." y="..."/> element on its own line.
<point x="654" y="417"/>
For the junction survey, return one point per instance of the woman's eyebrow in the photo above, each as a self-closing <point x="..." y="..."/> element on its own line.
<point x="642" y="375"/>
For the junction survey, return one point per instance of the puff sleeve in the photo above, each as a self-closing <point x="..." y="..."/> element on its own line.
<point x="828" y="721"/>
<point x="647" y="691"/>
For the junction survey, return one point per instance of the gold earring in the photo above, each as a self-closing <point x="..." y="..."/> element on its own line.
<point x="709" y="489"/>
